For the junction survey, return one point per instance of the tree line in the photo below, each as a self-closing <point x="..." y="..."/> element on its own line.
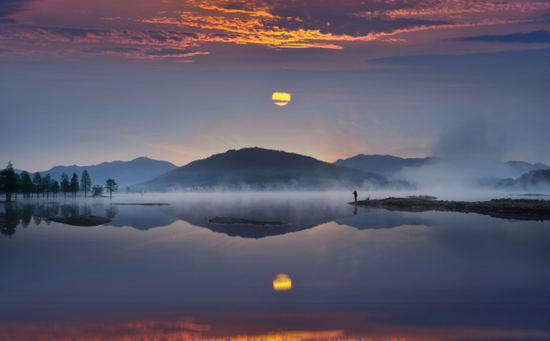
<point x="13" y="184"/>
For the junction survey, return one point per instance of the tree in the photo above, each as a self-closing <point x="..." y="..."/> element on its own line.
<point x="37" y="181"/>
<point x="54" y="187"/>
<point x="111" y="186"/>
<point x="97" y="190"/>
<point x="26" y="184"/>
<point x="46" y="184"/>
<point x="18" y="182"/>
<point x="74" y="185"/>
<point x="85" y="182"/>
<point x="8" y="181"/>
<point x="65" y="185"/>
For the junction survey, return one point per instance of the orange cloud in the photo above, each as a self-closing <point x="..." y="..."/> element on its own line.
<point x="276" y="24"/>
<point x="249" y="31"/>
<point x="257" y="22"/>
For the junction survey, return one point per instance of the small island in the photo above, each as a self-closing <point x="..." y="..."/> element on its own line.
<point x="82" y="220"/>
<point x="229" y="220"/>
<point x="531" y="209"/>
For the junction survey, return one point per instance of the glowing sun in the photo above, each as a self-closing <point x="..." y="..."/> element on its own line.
<point x="281" y="98"/>
<point x="282" y="282"/>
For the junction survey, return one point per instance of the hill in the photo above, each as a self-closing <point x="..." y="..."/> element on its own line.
<point x="384" y="164"/>
<point x="264" y="169"/>
<point x="532" y="180"/>
<point x="520" y="167"/>
<point x="123" y="172"/>
<point x="424" y="171"/>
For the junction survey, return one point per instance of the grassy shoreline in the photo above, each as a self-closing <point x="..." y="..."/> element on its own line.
<point x="513" y="208"/>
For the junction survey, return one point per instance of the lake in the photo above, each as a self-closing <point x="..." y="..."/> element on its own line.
<point x="166" y="273"/>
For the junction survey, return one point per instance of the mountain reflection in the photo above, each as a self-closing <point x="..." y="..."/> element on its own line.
<point x="381" y="219"/>
<point x="300" y="214"/>
<point x="300" y="211"/>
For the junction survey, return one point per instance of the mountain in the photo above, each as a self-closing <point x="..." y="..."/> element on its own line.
<point x="264" y="169"/>
<point x="123" y="172"/>
<point x="519" y="167"/>
<point x="533" y="180"/>
<point x="418" y="171"/>
<point x="383" y="164"/>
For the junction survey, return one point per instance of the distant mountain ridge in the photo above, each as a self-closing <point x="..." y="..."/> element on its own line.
<point x="391" y="165"/>
<point x="261" y="169"/>
<point x="383" y="164"/>
<point x="534" y="179"/>
<point x="525" y="167"/>
<point x="123" y="172"/>
<point x="264" y="169"/>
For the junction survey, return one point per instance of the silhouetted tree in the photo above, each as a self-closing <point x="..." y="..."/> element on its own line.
<point x="54" y="187"/>
<point x="85" y="182"/>
<point x="97" y="190"/>
<point x="534" y="178"/>
<point x="26" y="185"/>
<point x="74" y="185"/>
<point x="20" y="185"/>
<point x="18" y="181"/>
<point x="46" y="184"/>
<point x="111" y="186"/>
<point x="37" y="181"/>
<point x="65" y="185"/>
<point x="8" y="181"/>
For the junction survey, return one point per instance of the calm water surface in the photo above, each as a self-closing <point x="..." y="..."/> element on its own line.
<point x="166" y="273"/>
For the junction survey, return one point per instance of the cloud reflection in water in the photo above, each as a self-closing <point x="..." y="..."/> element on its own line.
<point x="186" y="329"/>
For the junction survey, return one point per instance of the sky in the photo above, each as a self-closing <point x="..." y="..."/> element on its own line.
<point x="83" y="82"/>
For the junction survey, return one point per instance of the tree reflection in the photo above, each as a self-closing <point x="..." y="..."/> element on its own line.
<point x="111" y="211"/>
<point x="10" y="219"/>
<point x="26" y="215"/>
<point x="86" y="210"/>
<point x="16" y="214"/>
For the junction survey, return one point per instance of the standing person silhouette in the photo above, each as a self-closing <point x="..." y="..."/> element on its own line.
<point x="355" y="195"/>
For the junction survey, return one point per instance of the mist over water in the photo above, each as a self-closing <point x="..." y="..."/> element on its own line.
<point x="382" y="270"/>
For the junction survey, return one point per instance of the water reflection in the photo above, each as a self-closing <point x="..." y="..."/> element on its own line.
<point x="371" y="274"/>
<point x="366" y="218"/>
<point x="301" y="214"/>
<point x="288" y="326"/>
<point x="111" y="211"/>
<point x="21" y="213"/>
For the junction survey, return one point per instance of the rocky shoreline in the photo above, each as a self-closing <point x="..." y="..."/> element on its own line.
<point x="530" y="209"/>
